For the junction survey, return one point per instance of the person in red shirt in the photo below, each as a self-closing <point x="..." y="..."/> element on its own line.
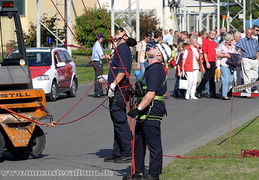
<point x="209" y="65"/>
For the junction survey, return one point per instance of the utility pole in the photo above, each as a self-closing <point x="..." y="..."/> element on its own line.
<point x="228" y="16"/>
<point x="112" y="19"/>
<point x="218" y="17"/>
<point x="251" y="1"/>
<point x="69" y="25"/>
<point x="163" y="16"/>
<point x="200" y="17"/>
<point x="184" y="17"/>
<point x="174" y="5"/>
<point x="137" y="22"/>
<point x="38" y="38"/>
<point x="129" y="12"/>
<point x="244" y="11"/>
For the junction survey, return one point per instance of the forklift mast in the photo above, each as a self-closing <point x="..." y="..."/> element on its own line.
<point x="14" y="73"/>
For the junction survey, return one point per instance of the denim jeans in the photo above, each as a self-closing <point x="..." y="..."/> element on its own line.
<point x="226" y="78"/>
<point x="176" y="86"/>
<point x="143" y="66"/>
<point x="207" y="87"/>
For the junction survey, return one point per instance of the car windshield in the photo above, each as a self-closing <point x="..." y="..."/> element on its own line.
<point x="36" y="58"/>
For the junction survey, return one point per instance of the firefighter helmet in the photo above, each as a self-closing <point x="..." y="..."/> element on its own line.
<point x="165" y="50"/>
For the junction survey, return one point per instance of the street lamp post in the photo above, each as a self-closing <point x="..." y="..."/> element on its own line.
<point x="173" y="4"/>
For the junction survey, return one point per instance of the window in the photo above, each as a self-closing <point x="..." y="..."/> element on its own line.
<point x="8" y="38"/>
<point x="20" y="4"/>
<point x="62" y="56"/>
<point x="67" y="56"/>
<point x="57" y="58"/>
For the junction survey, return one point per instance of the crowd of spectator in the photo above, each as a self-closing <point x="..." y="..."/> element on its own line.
<point x="206" y="57"/>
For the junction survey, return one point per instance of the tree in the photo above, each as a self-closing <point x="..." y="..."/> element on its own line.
<point x="147" y="19"/>
<point x="30" y="37"/>
<point x="87" y="25"/>
<point x="237" y="23"/>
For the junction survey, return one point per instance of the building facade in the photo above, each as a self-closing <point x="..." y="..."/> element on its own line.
<point x="28" y="10"/>
<point x="184" y="17"/>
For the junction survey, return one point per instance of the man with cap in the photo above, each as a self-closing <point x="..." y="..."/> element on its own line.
<point x="97" y="57"/>
<point x="149" y="113"/>
<point x="118" y="79"/>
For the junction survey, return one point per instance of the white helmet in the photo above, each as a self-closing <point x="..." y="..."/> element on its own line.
<point x="130" y="32"/>
<point x="165" y="50"/>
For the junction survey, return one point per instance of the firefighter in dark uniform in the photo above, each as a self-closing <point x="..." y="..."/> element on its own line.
<point x="118" y="79"/>
<point x="149" y="112"/>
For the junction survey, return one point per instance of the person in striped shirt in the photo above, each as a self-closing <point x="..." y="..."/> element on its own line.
<point x="250" y="56"/>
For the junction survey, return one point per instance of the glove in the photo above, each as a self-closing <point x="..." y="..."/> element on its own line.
<point x="133" y="112"/>
<point x="111" y="90"/>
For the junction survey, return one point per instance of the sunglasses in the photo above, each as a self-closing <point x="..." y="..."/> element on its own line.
<point x="257" y="30"/>
<point x="121" y="29"/>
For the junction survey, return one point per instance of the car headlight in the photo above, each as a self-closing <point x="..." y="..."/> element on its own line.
<point x="42" y="78"/>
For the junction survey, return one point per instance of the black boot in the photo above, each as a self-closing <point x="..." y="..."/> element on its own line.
<point x="152" y="177"/>
<point x="136" y="176"/>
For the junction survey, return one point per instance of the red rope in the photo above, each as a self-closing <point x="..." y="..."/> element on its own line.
<point x="13" y="112"/>
<point x="178" y="156"/>
<point x="95" y="32"/>
<point x="81" y="46"/>
<point x="84" y="115"/>
<point x="77" y="102"/>
<point x="54" y="123"/>
<point x="244" y="153"/>
<point x="116" y="51"/>
<point x="84" y="51"/>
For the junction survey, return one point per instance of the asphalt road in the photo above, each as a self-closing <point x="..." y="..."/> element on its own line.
<point x="81" y="146"/>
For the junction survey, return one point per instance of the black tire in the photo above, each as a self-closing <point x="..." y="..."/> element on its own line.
<point x="73" y="91"/>
<point x="2" y="144"/>
<point x="34" y="148"/>
<point x="54" y="92"/>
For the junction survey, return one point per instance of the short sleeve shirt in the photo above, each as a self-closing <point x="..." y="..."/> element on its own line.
<point x="155" y="76"/>
<point x="97" y="51"/>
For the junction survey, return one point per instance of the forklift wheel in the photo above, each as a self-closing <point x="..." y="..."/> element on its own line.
<point x="34" y="148"/>
<point x="2" y="144"/>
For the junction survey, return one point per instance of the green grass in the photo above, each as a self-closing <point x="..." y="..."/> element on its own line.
<point x="86" y="74"/>
<point x="81" y="58"/>
<point x="227" y="168"/>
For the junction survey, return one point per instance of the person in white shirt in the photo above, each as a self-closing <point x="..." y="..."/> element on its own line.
<point x="97" y="57"/>
<point x="169" y="38"/>
<point x="191" y="66"/>
<point x="141" y="53"/>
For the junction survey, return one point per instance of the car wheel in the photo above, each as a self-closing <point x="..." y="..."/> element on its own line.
<point x="54" y="92"/>
<point x="34" y="148"/>
<point x="73" y="91"/>
<point x="2" y="144"/>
